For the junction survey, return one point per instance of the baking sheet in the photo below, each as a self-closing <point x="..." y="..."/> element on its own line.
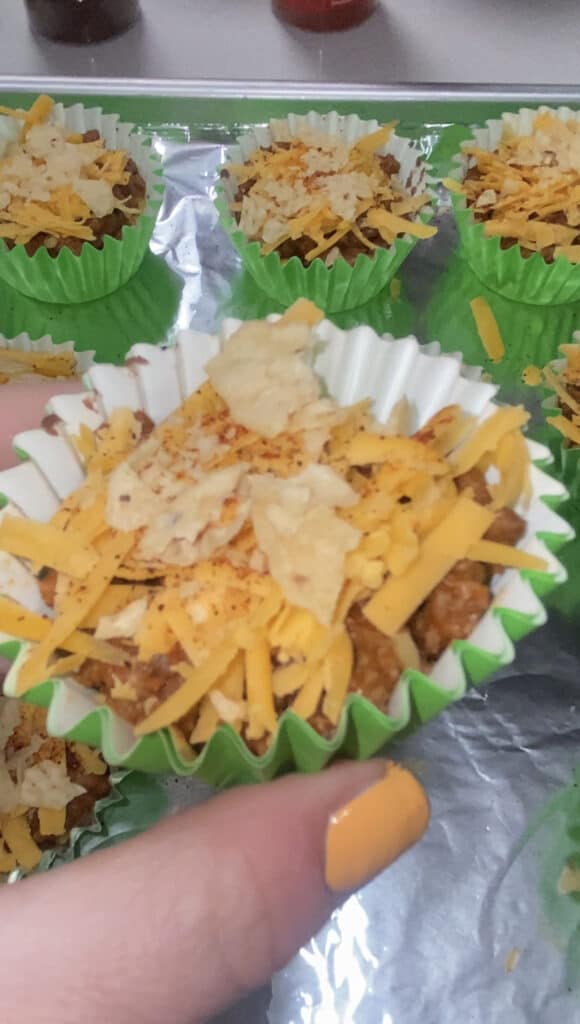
<point x="427" y="942"/>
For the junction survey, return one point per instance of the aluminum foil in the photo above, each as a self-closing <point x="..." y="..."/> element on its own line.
<point x="460" y="930"/>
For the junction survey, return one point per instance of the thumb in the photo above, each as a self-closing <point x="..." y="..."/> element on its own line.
<point x="176" y="924"/>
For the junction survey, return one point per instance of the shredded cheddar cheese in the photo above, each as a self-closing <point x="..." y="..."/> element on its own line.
<point x="236" y="559"/>
<point x="487" y="329"/>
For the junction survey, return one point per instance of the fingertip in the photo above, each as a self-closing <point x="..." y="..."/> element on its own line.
<point x="374" y="829"/>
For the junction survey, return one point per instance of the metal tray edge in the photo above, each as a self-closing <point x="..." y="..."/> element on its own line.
<point x="239" y="89"/>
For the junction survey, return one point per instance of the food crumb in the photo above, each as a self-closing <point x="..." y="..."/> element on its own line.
<point x="487" y="328"/>
<point x="511" y="960"/>
<point x="532" y="376"/>
<point x="569" y="880"/>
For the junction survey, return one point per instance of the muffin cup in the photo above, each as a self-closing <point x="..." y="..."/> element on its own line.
<point x="505" y="270"/>
<point x="95" y="272"/>
<point x="353" y="365"/>
<point x="23" y="343"/>
<point x="341" y="286"/>
<point x="128" y="809"/>
<point x="567" y="459"/>
<point x="143" y="309"/>
<point x="388" y="312"/>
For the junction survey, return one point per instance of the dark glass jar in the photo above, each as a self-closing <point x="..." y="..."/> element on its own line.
<point x="323" y="15"/>
<point x="81" y="21"/>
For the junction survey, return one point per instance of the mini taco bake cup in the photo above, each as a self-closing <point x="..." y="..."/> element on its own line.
<point x="102" y="805"/>
<point x="113" y="812"/>
<point x="342" y="286"/>
<point x="506" y="271"/>
<point x="68" y="278"/>
<point x="565" y="451"/>
<point x="353" y="365"/>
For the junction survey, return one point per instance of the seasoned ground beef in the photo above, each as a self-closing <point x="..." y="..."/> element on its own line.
<point x="147" y="424"/>
<point x="475" y="481"/>
<point x="80" y="811"/>
<point x="47" y="586"/>
<point x="457" y="604"/>
<point x="376" y="667"/>
<point x="154" y="678"/>
<point x="507" y="528"/>
<point x="112" y="224"/>
<point x="451" y="611"/>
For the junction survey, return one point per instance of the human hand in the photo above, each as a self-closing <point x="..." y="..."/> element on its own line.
<point x="175" y="924"/>
<point x="22" y="406"/>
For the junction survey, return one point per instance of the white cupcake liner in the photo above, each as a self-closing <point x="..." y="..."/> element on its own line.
<point x="506" y="271"/>
<point x="353" y="365"/>
<point x="341" y="286"/>
<point x="23" y="343"/>
<point x="69" y="278"/>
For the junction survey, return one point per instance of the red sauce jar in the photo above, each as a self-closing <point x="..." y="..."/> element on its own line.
<point x="323" y="15"/>
<point x="81" y="21"/>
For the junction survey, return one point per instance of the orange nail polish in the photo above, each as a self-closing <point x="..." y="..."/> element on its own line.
<point x="375" y="828"/>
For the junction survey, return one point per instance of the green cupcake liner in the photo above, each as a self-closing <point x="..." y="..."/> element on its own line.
<point x="531" y="334"/>
<point x="95" y="272"/>
<point x="340" y="287"/>
<point x="141" y="310"/>
<point x="551" y="844"/>
<point x="353" y="365"/>
<point x="506" y="271"/>
<point x="134" y="803"/>
<point x="385" y="314"/>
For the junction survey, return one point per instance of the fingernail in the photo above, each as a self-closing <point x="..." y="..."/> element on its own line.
<point x="374" y="829"/>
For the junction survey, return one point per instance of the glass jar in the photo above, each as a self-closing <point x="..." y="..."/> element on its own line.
<point x="81" y="21"/>
<point x="323" y="15"/>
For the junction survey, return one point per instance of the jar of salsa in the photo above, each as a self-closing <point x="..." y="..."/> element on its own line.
<point x="323" y="15"/>
<point x="81" y="21"/>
